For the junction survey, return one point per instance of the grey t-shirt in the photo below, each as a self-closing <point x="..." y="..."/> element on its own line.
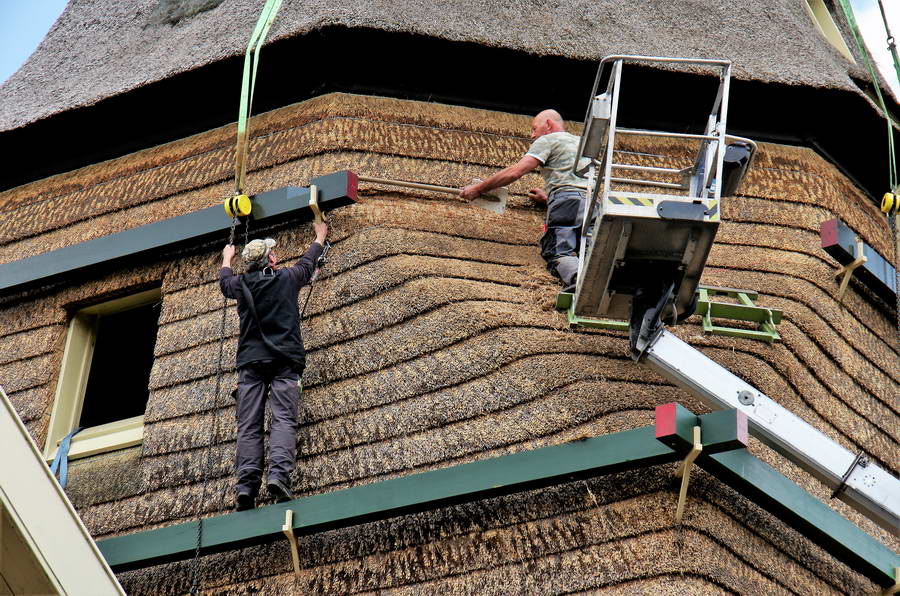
<point x="556" y="152"/>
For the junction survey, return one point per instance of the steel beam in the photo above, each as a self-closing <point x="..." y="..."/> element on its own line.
<point x="399" y="496"/>
<point x="873" y="491"/>
<point x="518" y="472"/>
<point x="765" y="486"/>
<point x="178" y="233"/>
<point x="876" y="273"/>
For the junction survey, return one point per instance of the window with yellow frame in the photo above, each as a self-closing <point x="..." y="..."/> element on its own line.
<point x="104" y="378"/>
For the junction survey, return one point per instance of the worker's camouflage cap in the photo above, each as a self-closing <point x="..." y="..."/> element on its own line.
<point x="257" y="250"/>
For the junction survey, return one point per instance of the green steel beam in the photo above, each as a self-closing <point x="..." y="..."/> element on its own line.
<point x="400" y="496"/>
<point x="762" y="484"/>
<point x="184" y="232"/>
<point x="723" y="430"/>
<point x="508" y="474"/>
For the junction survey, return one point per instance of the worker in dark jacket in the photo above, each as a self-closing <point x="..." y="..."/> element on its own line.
<point x="270" y="359"/>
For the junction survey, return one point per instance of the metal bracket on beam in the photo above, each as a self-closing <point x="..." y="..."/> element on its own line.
<point x="680" y="429"/>
<point x="684" y="472"/>
<point x="288" y="529"/>
<point x="314" y="203"/>
<point x="847" y="270"/>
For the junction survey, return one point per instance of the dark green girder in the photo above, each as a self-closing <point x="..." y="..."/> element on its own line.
<point x="723" y="456"/>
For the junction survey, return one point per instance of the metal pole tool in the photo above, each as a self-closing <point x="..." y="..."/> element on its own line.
<point x="494" y="200"/>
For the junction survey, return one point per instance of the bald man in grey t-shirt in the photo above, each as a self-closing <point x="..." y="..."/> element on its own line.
<point x="553" y="151"/>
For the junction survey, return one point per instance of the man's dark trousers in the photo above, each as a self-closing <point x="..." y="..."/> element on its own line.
<point x="280" y="381"/>
<point x="562" y="238"/>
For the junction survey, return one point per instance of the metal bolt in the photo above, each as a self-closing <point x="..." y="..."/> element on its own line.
<point x="746" y="397"/>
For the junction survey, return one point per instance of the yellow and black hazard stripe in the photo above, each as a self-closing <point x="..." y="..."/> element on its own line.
<point x="637" y="202"/>
<point x="712" y="210"/>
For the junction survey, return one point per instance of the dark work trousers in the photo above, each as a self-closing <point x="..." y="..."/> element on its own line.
<point x="562" y="238"/>
<point x="280" y="381"/>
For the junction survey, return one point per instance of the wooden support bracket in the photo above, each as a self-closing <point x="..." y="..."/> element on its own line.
<point x="288" y="529"/>
<point x="684" y="472"/>
<point x="847" y="270"/>
<point x="314" y="203"/>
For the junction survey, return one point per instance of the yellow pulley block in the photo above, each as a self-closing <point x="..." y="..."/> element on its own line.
<point x="890" y="203"/>
<point x="238" y="206"/>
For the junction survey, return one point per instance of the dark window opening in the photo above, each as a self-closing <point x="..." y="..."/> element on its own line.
<point x="118" y="382"/>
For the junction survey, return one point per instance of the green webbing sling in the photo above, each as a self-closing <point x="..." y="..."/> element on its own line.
<point x="892" y="159"/>
<point x="248" y="85"/>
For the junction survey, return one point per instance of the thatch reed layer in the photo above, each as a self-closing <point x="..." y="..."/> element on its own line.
<point x="433" y="342"/>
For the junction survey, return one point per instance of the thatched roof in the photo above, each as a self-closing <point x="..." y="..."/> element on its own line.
<point x="104" y="48"/>
<point x="432" y="342"/>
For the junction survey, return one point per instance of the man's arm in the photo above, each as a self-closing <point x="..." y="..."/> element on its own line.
<point x="302" y="271"/>
<point x="227" y="277"/>
<point x="501" y="178"/>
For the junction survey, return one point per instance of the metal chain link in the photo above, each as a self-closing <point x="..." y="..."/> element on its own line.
<point x="195" y="564"/>
<point x="892" y="224"/>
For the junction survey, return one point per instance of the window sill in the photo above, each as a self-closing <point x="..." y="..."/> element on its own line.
<point x="104" y="438"/>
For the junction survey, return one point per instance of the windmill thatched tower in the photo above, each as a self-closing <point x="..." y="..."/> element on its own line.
<point x="432" y="337"/>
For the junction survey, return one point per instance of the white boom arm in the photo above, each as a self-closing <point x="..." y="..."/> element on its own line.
<point x="862" y="484"/>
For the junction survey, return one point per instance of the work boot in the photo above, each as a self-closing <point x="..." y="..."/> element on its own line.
<point x="245" y="500"/>
<point x="280" y="490"/>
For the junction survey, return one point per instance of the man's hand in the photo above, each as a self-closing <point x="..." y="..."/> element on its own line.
<point x="537" y="195"/>
<point x="321" y="229"/>
<point x="470" y="192"/>
<point x="227" y="255"/>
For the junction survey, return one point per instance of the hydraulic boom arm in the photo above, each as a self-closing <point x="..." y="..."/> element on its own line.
<point x="855" y="479"/>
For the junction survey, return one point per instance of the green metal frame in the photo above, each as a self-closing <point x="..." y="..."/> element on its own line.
<point x="565" y="301"/>
<point x="709" y="309"/>
<point x="641" y="447"/>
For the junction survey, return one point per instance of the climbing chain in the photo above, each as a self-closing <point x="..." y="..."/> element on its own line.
<point x="195" y="564"/>
<point x="892" y="223"/>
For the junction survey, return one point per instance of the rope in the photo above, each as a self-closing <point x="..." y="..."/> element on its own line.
<point x="195" y="564"/>
<point x="248" y="87"/>
<point x="320" y="262"/>
<point x="892" y="158"/>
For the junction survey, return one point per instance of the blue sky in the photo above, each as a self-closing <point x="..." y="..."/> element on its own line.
<point x="868" y="17"/>
<point x="23" y="24"/>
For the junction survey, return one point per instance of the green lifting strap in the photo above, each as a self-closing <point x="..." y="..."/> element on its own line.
<point x="892" y="160"/>
<point x="248" y="86"/>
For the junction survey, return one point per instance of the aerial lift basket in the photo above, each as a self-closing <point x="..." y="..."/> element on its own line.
<point x="664" y="234"/>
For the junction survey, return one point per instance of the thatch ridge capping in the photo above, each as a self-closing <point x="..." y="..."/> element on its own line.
<point x="105" y="48"/>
